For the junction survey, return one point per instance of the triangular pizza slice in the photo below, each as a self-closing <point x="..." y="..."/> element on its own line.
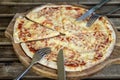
<point x="25" y="30"/>
<point x="69" y="15"/>
<point x="47" y="15"/>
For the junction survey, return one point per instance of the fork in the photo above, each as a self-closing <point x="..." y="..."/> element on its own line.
<point x="37" y="56"/>
<point x="94" y="17"/>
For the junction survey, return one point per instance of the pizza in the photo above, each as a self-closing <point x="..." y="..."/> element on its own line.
<point x="25" y="30"/>
<point x="83" y="46"/>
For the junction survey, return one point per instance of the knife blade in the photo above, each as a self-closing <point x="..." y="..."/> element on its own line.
<point x="60" y="66"/>
<point x="89" y="12"/>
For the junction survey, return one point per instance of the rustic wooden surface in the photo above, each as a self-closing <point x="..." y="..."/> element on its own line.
<point x="10" y="66"/>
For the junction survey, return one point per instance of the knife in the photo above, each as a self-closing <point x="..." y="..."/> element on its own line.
<point x="60" y="66"/>
<point x="89" y="12"/>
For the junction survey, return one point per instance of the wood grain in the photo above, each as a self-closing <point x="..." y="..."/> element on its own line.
<point x="36" y="2"/>
<point x="51" y="73"/>
<point x="9" y="69"/>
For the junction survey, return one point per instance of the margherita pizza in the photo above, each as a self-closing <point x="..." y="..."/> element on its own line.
<point x="83" y="46"/>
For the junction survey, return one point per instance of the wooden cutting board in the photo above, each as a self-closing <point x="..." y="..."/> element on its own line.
<point x="52" y="73"/>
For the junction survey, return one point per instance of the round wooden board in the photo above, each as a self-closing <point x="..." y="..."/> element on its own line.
<point x="52" y="73"/>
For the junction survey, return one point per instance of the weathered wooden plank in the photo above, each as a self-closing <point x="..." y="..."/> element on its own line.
<point x="10" y="9"/>
<point x="4" y="21"/>
<point x="7" y="15"/>
<point x="114" y="16"/>
<point x="118" y="28"/>
<point x="10" y="70"/>
<point x="2" y="34"/>
<point x="4" y="39"/>
<point x="110" y="72"/>
<point x="115" y="21"/>
<point x="9" y="59"/>
<point x="15" y="9"/>
<point x="5" y="43"/>
<point x="36" y="2"/>
<point x="110" y="15"/>
<point x="7" y="53"/>
<point x="2" y="28"/>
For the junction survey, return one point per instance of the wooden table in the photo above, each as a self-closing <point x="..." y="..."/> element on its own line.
<point x="10" y="66"/>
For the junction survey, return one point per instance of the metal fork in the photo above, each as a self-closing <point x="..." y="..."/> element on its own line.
<point x="37" y="56"/>
<point x="94" y="17"/>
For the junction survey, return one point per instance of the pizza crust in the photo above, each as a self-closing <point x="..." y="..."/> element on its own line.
<point x="15" y="32"/>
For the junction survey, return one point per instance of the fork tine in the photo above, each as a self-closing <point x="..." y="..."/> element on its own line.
<point x="44" y="50"/>
<point x="92" y="19"/>
<point x="40" y="53"/>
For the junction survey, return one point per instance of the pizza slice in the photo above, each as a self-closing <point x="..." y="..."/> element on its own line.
<point x="48" y="15"/>
<point x="25" y="30"/>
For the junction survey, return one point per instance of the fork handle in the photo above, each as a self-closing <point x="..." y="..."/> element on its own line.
<point x="102" y="2"/>
<point x="112" y="11"/>
<point x="23" y="73"/>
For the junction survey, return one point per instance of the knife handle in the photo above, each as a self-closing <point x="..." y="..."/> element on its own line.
<point x="102" y="2"/>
